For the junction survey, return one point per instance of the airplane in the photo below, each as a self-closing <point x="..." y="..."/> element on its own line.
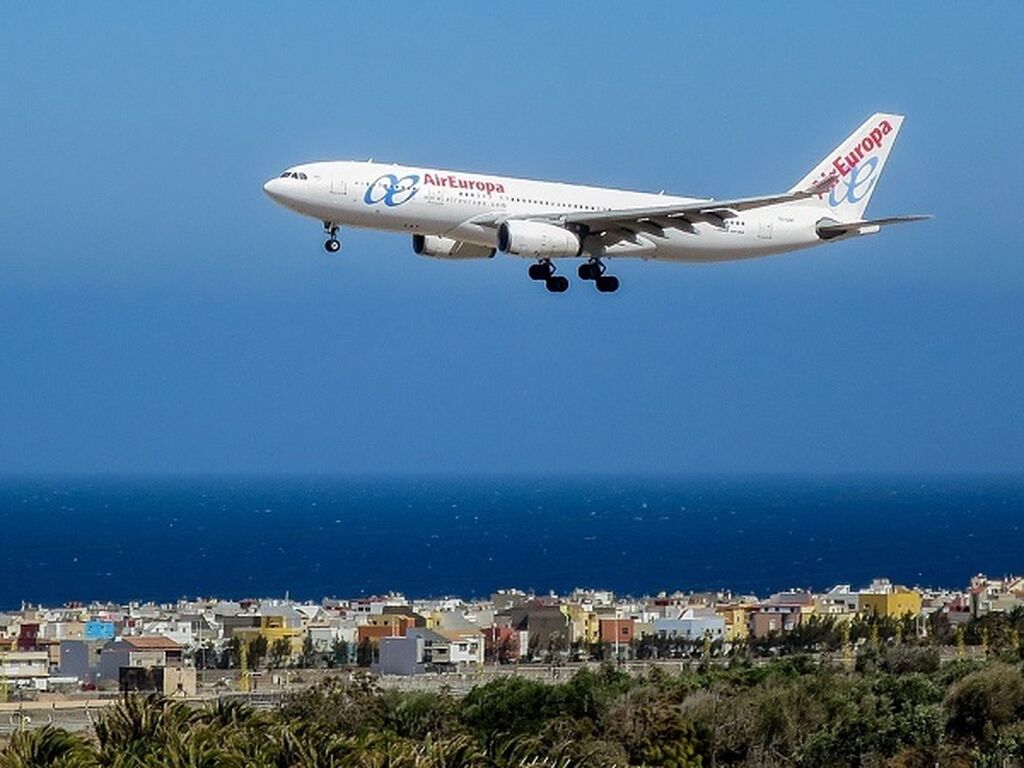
<point x="459" y="215"/>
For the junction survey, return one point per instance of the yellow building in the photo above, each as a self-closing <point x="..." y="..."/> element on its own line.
<point x="736" y="621"/>
<point x="397" y="620"/>
<point x="585" y="623"/>
<point x="896" y="602"/>
<point x="273" y="628"/>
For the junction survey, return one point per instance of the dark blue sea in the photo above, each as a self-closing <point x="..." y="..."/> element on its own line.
<point x="81" y="539"/>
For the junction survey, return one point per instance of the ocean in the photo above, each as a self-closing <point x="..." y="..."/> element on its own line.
<point x="81" y="539"/>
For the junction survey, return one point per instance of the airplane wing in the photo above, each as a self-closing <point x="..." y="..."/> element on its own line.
<point x="864" y="226"/>
<point x="680" y="215"/>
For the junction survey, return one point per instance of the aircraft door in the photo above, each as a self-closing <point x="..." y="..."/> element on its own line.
<point x="339" y="187"/>
<point x="764" y="230"/>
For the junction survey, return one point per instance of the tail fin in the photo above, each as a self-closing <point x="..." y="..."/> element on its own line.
<point x="855" y="166"/>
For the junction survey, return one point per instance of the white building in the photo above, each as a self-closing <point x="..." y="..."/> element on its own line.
<point x="423" y="650"/>
<point x="839" y="600"/>
<point x="692" y="624"/>
<point x="25" y="669"/>
<point x="312" y="614"/>
<point x="180" y="632"/>
<point x="324" y="638"/>
<point x="467" y="646"/>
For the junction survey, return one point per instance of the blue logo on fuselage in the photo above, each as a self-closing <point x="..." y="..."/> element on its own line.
<point x="391" y="190"/>
<point x="852" y="187"/>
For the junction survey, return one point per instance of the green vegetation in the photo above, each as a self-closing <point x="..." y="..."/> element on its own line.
<point x="897" y="708"/>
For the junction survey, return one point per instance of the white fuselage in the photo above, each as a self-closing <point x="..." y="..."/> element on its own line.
<point x="427" y="201"/>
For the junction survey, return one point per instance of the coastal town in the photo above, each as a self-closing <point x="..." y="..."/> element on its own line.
<point x="177" y="649"/>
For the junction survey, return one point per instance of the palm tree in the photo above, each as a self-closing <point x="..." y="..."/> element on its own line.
<point x="460" y="751"/>
<point x="139" y="727"/>
<point x="47" y="746"/>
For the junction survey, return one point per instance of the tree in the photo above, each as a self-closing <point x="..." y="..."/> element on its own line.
<point x="229" y="657"/>
<point x="308" y="657"/>
<point x="940" y="630"/>
<point x="903" y="660"/>
<point x="364" y="653"/>
<point x="900" y="711"/>
<point x="512" y="705"/>
<point x="138" y="729"/>
<point x="983" y="702"/>
<point x="532" y="646"/>
<point x="503" y="647"/>
<point x="558" y="644"/>
<point x="257" y="651"/>
<point x="280" y="652"/>
<point x="652" y="729"/>
<point x="47" y="746"/>
<point x="339" y="654"/>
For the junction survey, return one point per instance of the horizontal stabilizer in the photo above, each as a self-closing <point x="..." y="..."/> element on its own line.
<point x="827" y="229"/>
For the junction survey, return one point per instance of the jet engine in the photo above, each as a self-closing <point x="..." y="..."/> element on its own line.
<point x="448" y="248"/>
<point x="537" y="239"/>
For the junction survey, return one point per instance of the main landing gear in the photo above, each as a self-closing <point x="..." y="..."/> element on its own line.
<point x="544" y="271"/>
<point x="332" y="244"/>
<point x="594" y="270"/>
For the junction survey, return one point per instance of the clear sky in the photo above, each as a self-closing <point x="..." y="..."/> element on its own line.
<point x="159" y="314"/>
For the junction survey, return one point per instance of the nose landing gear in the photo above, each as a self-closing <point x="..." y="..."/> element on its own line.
<point x="594" y="270"/>
<point x="332" y="244"/>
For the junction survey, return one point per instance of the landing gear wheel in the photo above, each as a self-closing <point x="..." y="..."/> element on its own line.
<point x="333" y="245"/>
<point x="592" y="270"/>
<point x="557" y="284"/>
<point x="542" y="270"/>
<point x="607" y="284"/>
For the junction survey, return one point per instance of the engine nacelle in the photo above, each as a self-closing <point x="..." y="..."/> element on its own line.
<point x="448" y="248"/>
<point x="537" y="239"/>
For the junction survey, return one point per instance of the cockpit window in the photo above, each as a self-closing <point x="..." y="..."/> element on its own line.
<point x="286" y="174"/>
<point x="293" y="175"/>
<point x="300" y="175"/>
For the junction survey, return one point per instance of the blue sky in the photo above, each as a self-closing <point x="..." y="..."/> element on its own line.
<point x="159" y="314"/>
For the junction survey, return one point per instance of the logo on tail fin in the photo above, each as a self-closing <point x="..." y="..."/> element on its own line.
<point x="872" y="141"/>
<point x="857" y="183"/>
<point x="846" y="178"/>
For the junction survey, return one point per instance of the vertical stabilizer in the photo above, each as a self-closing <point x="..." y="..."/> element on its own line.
<point x="856" y="165"/>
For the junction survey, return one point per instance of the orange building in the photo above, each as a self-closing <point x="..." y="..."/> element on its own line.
<point x="374" y="632"/>
<point x="617" y="631"/>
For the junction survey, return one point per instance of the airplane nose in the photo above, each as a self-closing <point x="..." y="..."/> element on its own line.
<point x="273" y="189"/>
